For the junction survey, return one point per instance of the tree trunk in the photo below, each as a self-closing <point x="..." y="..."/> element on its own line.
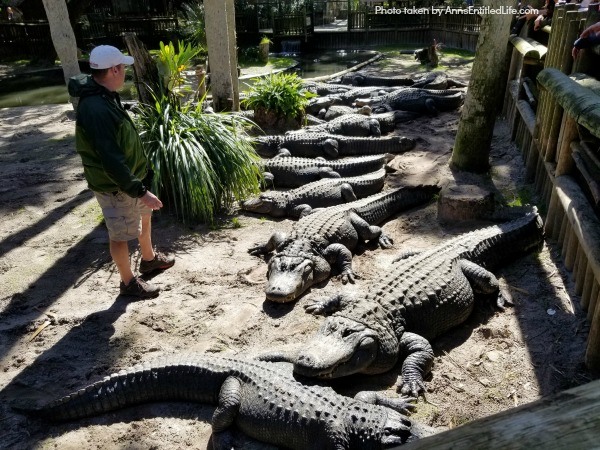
<point x="218" y="41"/>
<point x="144" y="68"/>
<point x="233" y="54"/>
<point x="486" y="89"/>
<point x="63" y="39"/>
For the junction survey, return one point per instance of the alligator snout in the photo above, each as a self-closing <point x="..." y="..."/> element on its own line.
<point x="278" y="294"/>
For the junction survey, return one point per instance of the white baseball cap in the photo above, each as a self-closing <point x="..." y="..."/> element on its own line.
<point x="105" y="56"/>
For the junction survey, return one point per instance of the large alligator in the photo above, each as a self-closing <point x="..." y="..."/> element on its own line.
<point x="421" y="296"/>
<point x="320" y="88"/>
<point x="425" y="101"/>
<point x="293" y="172"/>
<point x="368" y="91"/>
<point x="261" y="399"/>
<point x="318" y="194"/>
<point x="318" y="103"/>
<point x="346" y="125"/>
<point x="327" y="238"/>
<point x="437" y="80"/>
<point x="335" y="111"/>
<point x="360" y="124"/>
<point x="328" y="145"/>
<point x="365" y="79"/>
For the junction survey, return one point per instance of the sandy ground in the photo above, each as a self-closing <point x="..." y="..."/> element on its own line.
<point x="55" y="270"/>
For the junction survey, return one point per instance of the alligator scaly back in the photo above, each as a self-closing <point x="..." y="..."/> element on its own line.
<point x="261" y="399"/>
<point x="327" y="238"/>
<point x="421" y="296"/>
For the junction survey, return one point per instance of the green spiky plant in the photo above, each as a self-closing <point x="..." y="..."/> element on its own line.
<point x="202" y="162"/>
<point x="278" y="100"/>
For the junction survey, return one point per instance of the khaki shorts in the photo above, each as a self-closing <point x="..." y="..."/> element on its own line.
<point x="122" y="214"/>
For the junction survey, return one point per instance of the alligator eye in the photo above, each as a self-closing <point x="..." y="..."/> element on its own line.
<point x="347" y="332"/>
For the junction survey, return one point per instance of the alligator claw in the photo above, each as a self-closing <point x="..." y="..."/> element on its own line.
<point x="258" y="250"/>
<point x="413" y="389"/>
<point x="316" y="308"/>
<point x="404" y="405"/>
<point x="386" y="241"/>
<point x="349" y="276"/>
<point x="502" y="301"/>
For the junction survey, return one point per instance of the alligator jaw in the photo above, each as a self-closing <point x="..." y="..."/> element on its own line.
<point x="256" y="205"/>
<point x="289" y="277"/>
<point x="341" y="347"/>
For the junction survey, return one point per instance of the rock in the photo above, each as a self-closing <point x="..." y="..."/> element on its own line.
<point x="493" y="356"/>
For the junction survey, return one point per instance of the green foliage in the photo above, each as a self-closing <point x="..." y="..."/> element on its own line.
<point x="235" y="223"/>
<point x="265" y="40"/>
<point x="202" y="162"/>
<point x="524" y="196"/>
<point x="172" y="63"/>
<point x="193" y="26"/>
<point x="281" y="93"/>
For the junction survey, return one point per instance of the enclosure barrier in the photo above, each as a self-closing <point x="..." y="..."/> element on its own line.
<point x="363" y="29"/>
<point x="558" y="132"/>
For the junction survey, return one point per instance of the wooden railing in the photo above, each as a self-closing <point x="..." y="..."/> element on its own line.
<point x="28" y="38"/>
<point x="292" y="25"/>
<point x="33" y="38"/>
<point x="558" y="132"/>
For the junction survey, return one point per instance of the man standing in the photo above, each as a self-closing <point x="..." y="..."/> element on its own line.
<point x="115" y="166"/>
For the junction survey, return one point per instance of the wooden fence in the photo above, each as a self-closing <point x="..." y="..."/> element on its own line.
<point x="33" y="38"/>
<point x="553" y="105"/>
<point x="453" y="31"/>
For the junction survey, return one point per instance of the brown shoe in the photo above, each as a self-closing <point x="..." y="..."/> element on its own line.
<point x="139" y="288"/>
<point x="160" y="262"/>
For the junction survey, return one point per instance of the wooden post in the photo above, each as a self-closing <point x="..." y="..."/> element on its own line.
<point x="569" y="132"/>
<point x="587" y="287"/>
<point x="592" y="353"/>
<point x="144" y="69"/>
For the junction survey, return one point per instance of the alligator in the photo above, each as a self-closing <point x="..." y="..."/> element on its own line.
<point x="431" y="80"/>
<point x="350" y="96"/>
<point x="421" y="296"/>
<point x="318" y="194"/>
<point x="347" y="125"/>
<point x="424" y="101"/>
<point x="360" y="124"/>
<point x="261" y="399"/>
<point x="335" y="111"/>
<point x="331" y="145"/>
<point x="364" y="79"/>
<point x="437" y="80"/>
<point x="320" y="88"/>
<point x="293" y="172"/>
<point x="249" y="114"/>
<point x="327" y="238"/>
<point x="318" y="103"/>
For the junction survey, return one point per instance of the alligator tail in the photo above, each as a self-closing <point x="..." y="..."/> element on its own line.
<point x="170" y="381"/>
<point x="373" y="146"/>
<point x="394" y="201"/>
<point x="510" y="241"/>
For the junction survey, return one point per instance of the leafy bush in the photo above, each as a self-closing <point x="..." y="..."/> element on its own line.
<point x="202" y="162"/>
<point x="283" y="94"/>
<point x="193" y="26"/>
<point x="171" y="65"/>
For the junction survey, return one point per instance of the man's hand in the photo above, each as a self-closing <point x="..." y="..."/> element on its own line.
<point x="151" y="201"/>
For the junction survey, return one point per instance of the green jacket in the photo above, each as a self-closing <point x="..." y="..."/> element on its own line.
<point x="106" y="139"/>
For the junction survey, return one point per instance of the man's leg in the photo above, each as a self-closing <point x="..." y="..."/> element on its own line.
<point x="151" y="261"/>
<point x="145" y="238"/>
<point x="119" y="250"/>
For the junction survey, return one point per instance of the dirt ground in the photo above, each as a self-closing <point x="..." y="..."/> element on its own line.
<point x="55" y="270"/>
